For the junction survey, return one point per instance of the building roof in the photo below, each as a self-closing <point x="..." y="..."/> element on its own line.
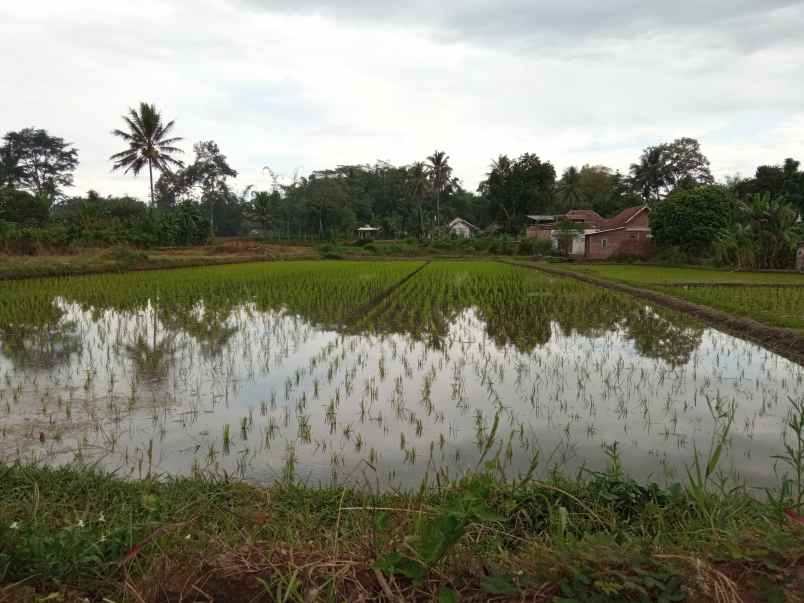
<point x="368" y="228"/>
<point x="625" y="216"/>
<point x="594" y="219"/>
<point x="587" y="216"/>
<point x="621" y="220"/>
<point x="462" y="221"/>
<point x="604" y="231"/>
<point x="541" y="217"/>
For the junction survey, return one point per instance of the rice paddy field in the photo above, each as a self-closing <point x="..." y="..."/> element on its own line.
<point x="772" y="298"/>
<point x="379" y="375"/>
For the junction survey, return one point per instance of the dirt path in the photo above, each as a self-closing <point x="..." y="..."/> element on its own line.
<point x="784" y="342"/>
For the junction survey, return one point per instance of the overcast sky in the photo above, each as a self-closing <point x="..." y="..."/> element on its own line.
<point x="304" y="84"/>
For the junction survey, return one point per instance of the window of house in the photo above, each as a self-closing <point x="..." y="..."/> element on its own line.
<point x="604" y="243"/>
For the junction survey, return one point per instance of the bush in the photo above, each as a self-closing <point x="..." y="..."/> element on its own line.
<point x="535" y="246"/>
<point x="330" y="251"/>
<point x="673" y="256"/>
<point x="123" y="254"/>
<point x="23" y="209"/>
<point x="691" y="218"/>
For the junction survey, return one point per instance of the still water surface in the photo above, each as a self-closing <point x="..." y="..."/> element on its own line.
<point x="389" y="392"/>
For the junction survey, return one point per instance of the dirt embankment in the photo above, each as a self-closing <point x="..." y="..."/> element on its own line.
<point x="124" y="259"/>
<point x="785" y="342"/>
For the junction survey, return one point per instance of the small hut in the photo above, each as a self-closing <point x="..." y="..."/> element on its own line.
<point x="462" y="228"/>
<point x="368" y="232"/>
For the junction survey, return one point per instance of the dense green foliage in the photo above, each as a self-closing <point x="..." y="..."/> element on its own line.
<point x="669" y="166"/>
<point x="691" y="218"/>
<point x="750" y="223"/>
<point x="34" y="161"/>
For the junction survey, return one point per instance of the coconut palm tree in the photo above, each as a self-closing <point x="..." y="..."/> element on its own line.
<point x="651" y="175"/>
<point x="419" y="186"/>
<point x="440" y="173"/>
<point x="148" y="143"/>
<point x="569" y="188"/>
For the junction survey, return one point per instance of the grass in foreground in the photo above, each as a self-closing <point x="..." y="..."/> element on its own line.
<point x="70" y="533"/>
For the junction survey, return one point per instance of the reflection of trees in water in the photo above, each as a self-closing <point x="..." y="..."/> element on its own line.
<point x="528" y="322"/>
<point x="515" y="309"/>
<point x="39" y="338"/>
<point x="153" y="352"/>
<point x="209" y="327"/>
<point x="152" y="360"/>
<point x="669" y="337"/>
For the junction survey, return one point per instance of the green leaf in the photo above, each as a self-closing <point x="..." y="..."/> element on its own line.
<point x="483" y="513"/>
<point x="381" y="521"/>
<point x="499" y="584"/>
<point x="395" y="563"/>
<point x="447" y="595"/>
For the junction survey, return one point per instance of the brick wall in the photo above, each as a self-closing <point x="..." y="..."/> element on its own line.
<point x="618" y="242"/>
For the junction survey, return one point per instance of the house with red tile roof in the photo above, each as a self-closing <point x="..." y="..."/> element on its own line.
<point x="597" y="238"/>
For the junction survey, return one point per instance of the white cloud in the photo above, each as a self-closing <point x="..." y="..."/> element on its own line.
<point x="301" y="84"/>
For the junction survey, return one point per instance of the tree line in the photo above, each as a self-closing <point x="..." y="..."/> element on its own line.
<point x="190" y="201"/>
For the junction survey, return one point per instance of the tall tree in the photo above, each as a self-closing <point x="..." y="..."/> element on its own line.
<point x="670" y="165"/>
<point x="419" y="187"/>
<point x="651" y="176"/>
<point x="149" y="143"/>
<point x="33" y="160"/>
<point x="440" y="173"/>
<point x="204" y="181"/>
<point x="687" y="166"/>
<point x="779" y="181"/>
<point x="514" y="188"/>
<point x="261" y="207"/>
<point x="569" y="190"/>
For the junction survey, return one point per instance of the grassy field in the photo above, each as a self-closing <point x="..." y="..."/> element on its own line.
<point x="777" y="306"/>
<point x="758" y="298"/>
<point x="660" y="275"/>
<point x="67" y="534"/>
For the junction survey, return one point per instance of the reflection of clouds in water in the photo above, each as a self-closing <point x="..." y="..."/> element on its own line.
<point x="153" y="389"/>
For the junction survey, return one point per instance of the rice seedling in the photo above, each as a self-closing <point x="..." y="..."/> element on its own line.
<point x="164" y="363"/>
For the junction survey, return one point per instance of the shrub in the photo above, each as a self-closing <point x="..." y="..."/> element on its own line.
<point x="691" y="218"/>
<point x="535" y="246"/>
<point x="123" y="254"/>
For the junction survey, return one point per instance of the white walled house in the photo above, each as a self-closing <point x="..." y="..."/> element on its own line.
<point x="461" y="228"/>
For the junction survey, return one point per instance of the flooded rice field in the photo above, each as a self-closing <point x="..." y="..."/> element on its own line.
<point x="383" y="374"/>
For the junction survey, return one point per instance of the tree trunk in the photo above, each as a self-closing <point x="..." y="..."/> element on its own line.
<point x="151" y="177"/>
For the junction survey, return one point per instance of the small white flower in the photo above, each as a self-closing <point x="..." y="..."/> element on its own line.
<point x="102" y="518"/>
<point x="80" y="523"/>
<point x="15" y="525"/>
<point x="188" y="537"/>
